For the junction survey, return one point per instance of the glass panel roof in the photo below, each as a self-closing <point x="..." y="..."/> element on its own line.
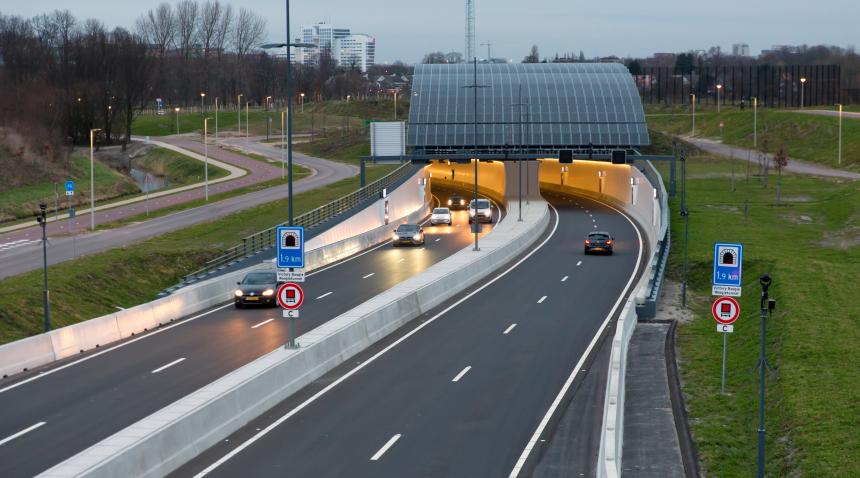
<point x="560" y="105"/>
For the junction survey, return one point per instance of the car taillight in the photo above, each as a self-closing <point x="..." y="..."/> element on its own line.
<point x="608" y="243"/>
<point x="587" y="241"/>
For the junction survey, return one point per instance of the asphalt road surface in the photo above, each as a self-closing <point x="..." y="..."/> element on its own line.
<point x="460" y="391"/>
<point x="82" y="401"/>
<point x="21" y="251"/>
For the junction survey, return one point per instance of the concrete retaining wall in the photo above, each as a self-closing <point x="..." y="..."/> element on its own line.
<point x="165" y="440"/>
<point x="345" y="239"/>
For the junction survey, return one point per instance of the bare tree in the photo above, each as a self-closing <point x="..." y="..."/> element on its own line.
<point x="158" y="27"/>
<point x="247" y="32"/>
<point x="533" y="56"/>
<point x="434" y="57"/>
<point x="210" y="17"/>
<point x="222" y="31"/>
<point x="186" y="27"/>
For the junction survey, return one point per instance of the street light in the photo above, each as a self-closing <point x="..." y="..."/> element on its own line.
<point x="202" y="106"/>
<point x="839" y="157"/>
<point x="42" y="219"/>
<point x="755" y="123"/>
<point x="177" y="119"/>
<point x="719" y="87"/>
<point x="395" y="103"/>
<point x="206" y="158"/>
<point x="239" y="111"/>
<point x="216" y="120"/>
<point x="802" y="85"/>
<point x="268" y="99"/>
<point x="302" y="101"/>
<point x="693" y="103"/>
<point x="92" y="179"/>
<point x="283" y="140"/>
<point x="247" y="121"/>
<point x="289" y="108"/>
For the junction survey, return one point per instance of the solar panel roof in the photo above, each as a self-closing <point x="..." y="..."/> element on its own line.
<point x="563" y="105"/>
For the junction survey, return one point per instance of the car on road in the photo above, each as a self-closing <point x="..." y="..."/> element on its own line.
<point x="456" y="202"/>
<point x="441" y="215"/>
<point x="257" y="288"/>
<point x="480" y="211"/>
<point x="408" y="234"/>
<point x="598" y="241"/>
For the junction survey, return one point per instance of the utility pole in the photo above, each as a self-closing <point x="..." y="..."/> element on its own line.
<point x="42" y="219"/>
<point x="474" y="86"/>
<point x="686" y="215"/>
<point x="520" y="105"/>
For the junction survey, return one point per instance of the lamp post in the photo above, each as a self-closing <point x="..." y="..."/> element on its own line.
<point x="202" y="104"/>
<point x="693" y="104"/>
<point x="216" y="120"/>
<point x="92" y="177"/>
<point x="755" y="122"/>
<point x="686" y="215"/>
<point x="206" y="158"/>
<point x="839" y="157"/>
<point x="289" y="108"/>
<point x="767" y="305"/>
<point x="719" y="88"/>
<point x="302" y="101"/>
<point x="239" y="111"/>
<point x="42" y="219"/>
<point x="176" y="110"/>
<point x="247" y="120"/>
<point x="802" y="85"/>
<point x="395" y="104"/>
<point x="268" y="100"/>
<point x="474" y="86"/>
<point x="283" y="140"/>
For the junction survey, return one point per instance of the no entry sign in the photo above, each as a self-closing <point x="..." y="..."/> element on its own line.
<point x="290" y="296"/>
<point x="726" y="310"/>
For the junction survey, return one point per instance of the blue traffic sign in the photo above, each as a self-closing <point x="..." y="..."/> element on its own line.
<point x="291" y="247"/>
<point x="728" y="264"/>
<point x="70" y="186"/>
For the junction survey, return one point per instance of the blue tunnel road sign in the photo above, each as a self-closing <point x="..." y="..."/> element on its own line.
<point x="728" y="261"/>
<point x="70" y="188"/>
<point x="291" y="247"/>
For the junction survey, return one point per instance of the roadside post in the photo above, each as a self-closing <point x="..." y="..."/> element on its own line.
<point x="725" y="311"/>
<point x="290" y="256"/>
<point x="767" y="306"/>
<point x="70" y="191"/>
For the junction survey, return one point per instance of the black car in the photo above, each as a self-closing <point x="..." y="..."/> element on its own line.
<point x="456" y="202"/>
<point x="598" y="241"/>
<point x="257" y="288"/>
<point x="408" y="234"/>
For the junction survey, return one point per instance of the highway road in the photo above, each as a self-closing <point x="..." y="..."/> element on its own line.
<point x="53" y="413"/>
<point x="463" y="389"/>
<point x="21" y="251"/>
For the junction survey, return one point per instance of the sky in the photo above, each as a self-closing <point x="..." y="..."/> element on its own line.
<point x="407" y="29"/>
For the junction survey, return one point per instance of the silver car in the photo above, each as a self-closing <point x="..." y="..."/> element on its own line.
<point x="441" y="215"/>
<point x="483" y="212"/>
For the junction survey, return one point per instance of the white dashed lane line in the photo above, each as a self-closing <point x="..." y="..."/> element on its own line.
<point x="22" y="432"/>
<point x="369" y="275"/>
<point x="159" y="369"/>
<point x="262" y="323"/>
<point x="461" y="374"/>
<point x="564" y="279"/>
<point x="391" y="441"/>
<point x="325" y="295"/>
<point x="578" y="263"/>
<point x="509" y="329"/>
<point x="540" y="301"/>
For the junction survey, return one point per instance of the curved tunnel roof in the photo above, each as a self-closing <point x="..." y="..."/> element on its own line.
<point x="565" y="105"/>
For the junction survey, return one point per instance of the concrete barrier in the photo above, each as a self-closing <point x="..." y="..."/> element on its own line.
<point x="165" y="440"/>
<point x="347" y="238"/>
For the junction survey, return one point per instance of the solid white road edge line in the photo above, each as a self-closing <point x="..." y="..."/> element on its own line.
<point x="316" y="396"/>
<point x="540" y="301"/>
<point x="159" y="369"/>
<point x="509" y="329"/>
<point x="391" y="441"/>
<point x="557" y="401"/>
<point x="462" y="372"/>
<point x="262" y="323"/>
<point x="26" y="430"/>
<point x="325" y="295"/>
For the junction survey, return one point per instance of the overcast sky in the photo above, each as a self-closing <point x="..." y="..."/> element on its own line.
<point x="407" y="29"/>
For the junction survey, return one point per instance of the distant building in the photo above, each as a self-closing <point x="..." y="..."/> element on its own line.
<point x="323" y="35"/>
<point x="355" y="51"/>
<point x="740" y="49"/>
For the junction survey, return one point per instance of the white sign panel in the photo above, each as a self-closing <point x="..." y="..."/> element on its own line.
<point x="725" y="328"/>
<point x="285" y="275"/>
<point x="387" y="138"/>
<point x="729" y="290"/>
<point x="294" y="314"/>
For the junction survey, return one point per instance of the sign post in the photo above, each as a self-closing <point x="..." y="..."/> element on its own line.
<point x="290" y="297"/>
<point x="725" y="311"/>
<point x="728" y="268"/>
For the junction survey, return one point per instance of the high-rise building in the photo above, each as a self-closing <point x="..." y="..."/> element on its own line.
<point x="323" y="35"/>
<point x="740" y="49"/>
<point x="355" y="51"/>
<point x="470" y="30"/>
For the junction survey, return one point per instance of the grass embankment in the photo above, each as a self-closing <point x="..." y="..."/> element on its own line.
<point x="21" y="202"/>
<point x="806" y="137"/>
<point x="95" y="285"/>
<point x="811" y="247"/>
<point x="370" y="109"/>
<point x="175" y="168"/>
<point x="153" y="125"/>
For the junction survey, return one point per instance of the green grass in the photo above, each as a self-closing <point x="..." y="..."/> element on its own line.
<point x="812" y="396"/>
<point x="20" y="202"/>
<point x="176" y="168"/>
<point x="346" y="148"/>
<point x="153" y="125"/>
<point x="806" y="137"/>
<point x="95" y="285"/>
<point x="370" y="109"/>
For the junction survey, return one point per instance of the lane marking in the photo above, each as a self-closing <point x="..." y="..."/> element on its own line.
<point x="372" y="359"/>
<point x="564" y="279"/>
<point x="325" y="295"/>
<point x="509" y="329"/>
<point x="462" y="372"/>
<point x="540" y="301"/>
<point x="578" y="263"/>
<point x="26" y="430"/>
<point x="438" y="239"/>
<point x="391" y="441"/>
<point x="262" y="323"/>
<point x="369" y="275"/>
<point x="159" y="369"/>
<point x="579" y="365"/>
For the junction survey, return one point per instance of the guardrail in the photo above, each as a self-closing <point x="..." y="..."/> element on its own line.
<point x="648" y="309"/>
<point x="265" y="240"/>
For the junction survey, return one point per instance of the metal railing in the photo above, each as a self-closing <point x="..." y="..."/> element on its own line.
<point x="265" y="239"/>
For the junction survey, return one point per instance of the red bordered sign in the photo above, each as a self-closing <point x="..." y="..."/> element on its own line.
<point x="290" y="296"/>
<point x="726" y="310"/>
